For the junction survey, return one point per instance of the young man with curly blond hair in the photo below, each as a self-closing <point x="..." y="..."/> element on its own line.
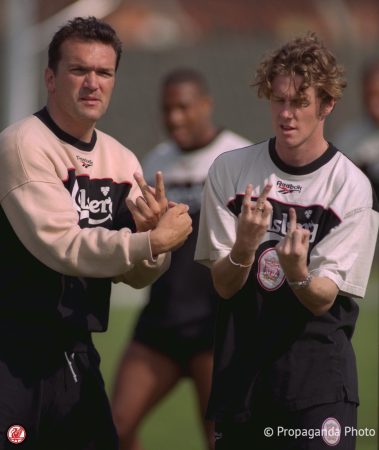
<point x="276" y="229"/>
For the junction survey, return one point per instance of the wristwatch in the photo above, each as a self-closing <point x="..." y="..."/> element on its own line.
<point x="301" y="284"/>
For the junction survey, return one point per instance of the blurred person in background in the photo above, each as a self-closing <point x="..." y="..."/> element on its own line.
<point x="288" y="228"/>
<point x="360" y="139"/>
<point x="66" y="234"/>
<point x="173" y="336"/>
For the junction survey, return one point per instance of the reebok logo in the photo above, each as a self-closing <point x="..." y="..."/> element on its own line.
<point x="288" y="188"/>
<point x="85" y="162"/>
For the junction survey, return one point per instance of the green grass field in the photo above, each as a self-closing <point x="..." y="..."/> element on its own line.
<point x="174" y="425"/>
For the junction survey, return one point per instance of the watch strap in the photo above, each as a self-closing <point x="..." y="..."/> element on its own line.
<point x="301" y="284"/>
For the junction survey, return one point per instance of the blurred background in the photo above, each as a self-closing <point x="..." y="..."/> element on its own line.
<point x="224" y="39"/>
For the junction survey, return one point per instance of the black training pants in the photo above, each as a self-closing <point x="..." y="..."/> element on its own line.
<point x="58" y="400"/>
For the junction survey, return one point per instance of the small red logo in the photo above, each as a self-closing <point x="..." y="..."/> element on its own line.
<point x="16" y="434"/>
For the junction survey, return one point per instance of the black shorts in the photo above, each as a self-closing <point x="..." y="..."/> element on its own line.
<point x="320" y="427"/>
<point x="61" y="403"/>
<point x="180" y="344"/>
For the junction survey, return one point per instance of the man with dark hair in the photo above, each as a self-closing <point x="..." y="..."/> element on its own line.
<point x="66" y="234"/>
<point x="288" y="228"/>
<point x="186" y="75"/>
<point x="84" y="29"/>
<point x="173" y="337"/>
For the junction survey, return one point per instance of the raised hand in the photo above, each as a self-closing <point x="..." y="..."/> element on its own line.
<point x="148" y="208"/>
<point x="292" y="250"/>
<point x="231" y="272"/>
<point x="253" y="220"/>
<point x="170" y="223"/>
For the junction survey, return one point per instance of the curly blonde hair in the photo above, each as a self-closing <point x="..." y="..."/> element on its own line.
<point x="308" y="57"/>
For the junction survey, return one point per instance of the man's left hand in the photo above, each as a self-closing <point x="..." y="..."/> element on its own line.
<point x="292" y="250"/>
<point x="148" y="208"/>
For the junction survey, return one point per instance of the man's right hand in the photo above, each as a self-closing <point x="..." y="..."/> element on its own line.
<point x="173" y="228"/>
<point x="253" y="222"/>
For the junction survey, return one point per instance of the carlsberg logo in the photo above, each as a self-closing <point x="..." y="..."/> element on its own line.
<point x="279" y="226"/>
<point x="96" y="211"/>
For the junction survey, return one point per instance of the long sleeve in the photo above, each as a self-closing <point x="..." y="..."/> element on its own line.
<point x="54" y="202"/>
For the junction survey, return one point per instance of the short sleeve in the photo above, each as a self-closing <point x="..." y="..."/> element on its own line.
<point x="345" y="255"/>
<point x="217" y="227"/>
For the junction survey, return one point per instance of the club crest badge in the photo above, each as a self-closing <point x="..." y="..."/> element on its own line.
<point x="270" y="273"/>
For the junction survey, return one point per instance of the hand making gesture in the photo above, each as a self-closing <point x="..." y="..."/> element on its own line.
<point x="169" y="223"/>
<point x="231" y="272"/>
<point x="148" y="208"/>
<point x="292" y="250"/>
<point x="253" y="222"/>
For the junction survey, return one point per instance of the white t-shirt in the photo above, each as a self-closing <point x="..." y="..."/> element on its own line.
<point x="268" y="346"/>
<point x="332" y="198"/>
